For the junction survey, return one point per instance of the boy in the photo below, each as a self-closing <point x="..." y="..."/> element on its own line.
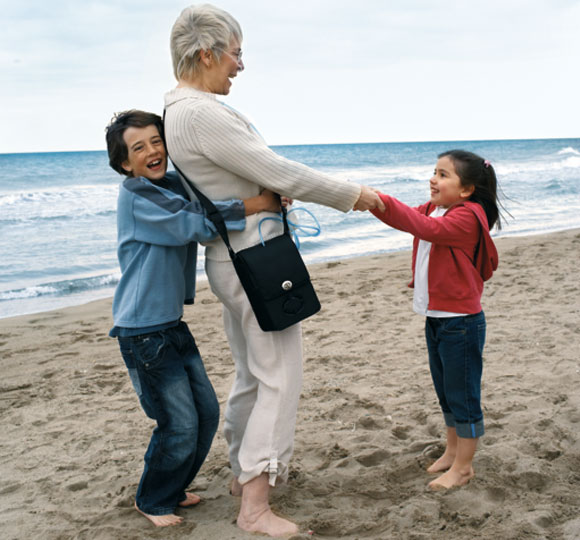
<point x="158" y="227"/>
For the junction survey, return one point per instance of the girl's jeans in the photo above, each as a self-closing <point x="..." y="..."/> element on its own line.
<point x="174" y="390"/>
<point x="455" y="346"/>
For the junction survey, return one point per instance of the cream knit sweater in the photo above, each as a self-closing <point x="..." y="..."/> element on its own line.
<point x="223" y="155"/>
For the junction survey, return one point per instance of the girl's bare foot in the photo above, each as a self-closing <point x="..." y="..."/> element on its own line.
<point x="236" y="489"/>
<point x="161" y="521"/>
<point x="446" y="461"/>
<point x="191" y="499"/>
<point x="461" y="472"/>
<point x="442" y="464"/>
<point x="452" y="478"/>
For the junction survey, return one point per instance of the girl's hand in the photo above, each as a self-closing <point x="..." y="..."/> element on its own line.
<point x="286" y="201"/>
<point x="369" y="200"/>
<point x="267" y="201"/>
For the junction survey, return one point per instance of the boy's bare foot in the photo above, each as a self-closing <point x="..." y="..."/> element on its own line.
<point x="442" y="464"/>
<point x="452" y="478"/>
<point x="236" y="489"/>
<point x="268" y="523"/>
<point x="191" y="499"/>
<point x="161" y="521"/>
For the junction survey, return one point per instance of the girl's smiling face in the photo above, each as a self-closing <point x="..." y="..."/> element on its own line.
<point x="445" y="185"/>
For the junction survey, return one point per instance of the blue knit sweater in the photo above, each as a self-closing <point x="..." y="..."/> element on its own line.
<point x="158" y="230"/>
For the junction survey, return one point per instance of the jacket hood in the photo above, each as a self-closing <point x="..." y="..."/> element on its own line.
<point x="486" y="257"/>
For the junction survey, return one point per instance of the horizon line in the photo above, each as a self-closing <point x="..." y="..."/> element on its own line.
<point x="326" y="144"/>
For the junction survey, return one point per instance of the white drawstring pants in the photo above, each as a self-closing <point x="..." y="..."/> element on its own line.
<point x="260" y="415"/>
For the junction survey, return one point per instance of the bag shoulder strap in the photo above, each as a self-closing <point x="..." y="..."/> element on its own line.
<point x="213" y="213"/>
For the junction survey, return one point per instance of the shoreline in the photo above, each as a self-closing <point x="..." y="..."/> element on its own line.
<point x="93" y="295"/>
<point x="368" y="421"/>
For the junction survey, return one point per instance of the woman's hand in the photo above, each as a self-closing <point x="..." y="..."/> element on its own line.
<point x="369" y="200"/>
<point x="267" y="201"/>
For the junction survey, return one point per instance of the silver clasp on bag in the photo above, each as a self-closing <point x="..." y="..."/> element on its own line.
<point x="287" y="285"/>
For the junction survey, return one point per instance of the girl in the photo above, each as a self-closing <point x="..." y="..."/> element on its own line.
<point x="453" y="254"/>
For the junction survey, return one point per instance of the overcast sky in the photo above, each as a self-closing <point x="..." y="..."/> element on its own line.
<point x="317" y="71"/>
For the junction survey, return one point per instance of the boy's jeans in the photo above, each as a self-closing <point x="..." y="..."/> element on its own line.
<point x="169" y="377"/>
<point x="455" y="346"/>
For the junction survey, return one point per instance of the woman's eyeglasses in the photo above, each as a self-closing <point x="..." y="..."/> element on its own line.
<point x="236" y="57"/>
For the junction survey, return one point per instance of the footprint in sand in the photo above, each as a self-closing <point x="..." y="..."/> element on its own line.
<point x="78" y="486"/>
<point x="10" y="488"/>
<point x="370" y="422"/>
<point x="401" y="432"/>
<point x="105" y="367"/>
<point x="531" y="480"/>
<point x="374" y="458"/>
<point x="495" y="494"/>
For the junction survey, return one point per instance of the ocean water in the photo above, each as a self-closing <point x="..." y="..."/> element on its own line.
<point x="58" y="210"/>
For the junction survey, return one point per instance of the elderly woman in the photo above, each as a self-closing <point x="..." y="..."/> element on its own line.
<point x="221" y="152"/>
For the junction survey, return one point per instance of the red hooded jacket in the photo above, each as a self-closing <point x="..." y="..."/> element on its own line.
<point x="462" y="255"/>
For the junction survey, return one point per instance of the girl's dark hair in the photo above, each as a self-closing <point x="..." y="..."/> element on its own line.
<point x="116" y="147"/>
<point x="475" y="171"/>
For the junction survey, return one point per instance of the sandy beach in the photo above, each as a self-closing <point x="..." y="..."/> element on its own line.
<point x="73" y="434"/>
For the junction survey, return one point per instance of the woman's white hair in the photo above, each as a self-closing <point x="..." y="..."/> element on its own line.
<point x="200" y="27"/>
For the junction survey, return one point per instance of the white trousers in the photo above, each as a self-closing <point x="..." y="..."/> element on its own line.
<point x="260" y="415"/>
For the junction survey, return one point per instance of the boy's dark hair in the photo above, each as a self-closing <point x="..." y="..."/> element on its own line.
<point x="475" y="171"/>
<point x="116" y="147"/>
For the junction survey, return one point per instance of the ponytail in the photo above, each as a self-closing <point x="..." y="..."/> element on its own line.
<point x="475" y="171"/>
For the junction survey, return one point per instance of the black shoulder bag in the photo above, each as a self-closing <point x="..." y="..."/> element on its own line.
<point x="273" y="274"/>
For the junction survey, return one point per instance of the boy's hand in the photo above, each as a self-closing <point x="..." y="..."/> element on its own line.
<point x="271" y="201"/>
<point x="267" y="201"/>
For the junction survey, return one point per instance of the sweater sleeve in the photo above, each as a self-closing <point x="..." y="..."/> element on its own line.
<point x="231" y="144"/>
<point x="459" y="227"/>
<point x="172" y="220"/>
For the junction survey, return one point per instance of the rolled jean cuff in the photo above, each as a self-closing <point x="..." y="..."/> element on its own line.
<point x="449" y="419"/>
<point x="469" y="431"/>
<point x="155" y="511"/>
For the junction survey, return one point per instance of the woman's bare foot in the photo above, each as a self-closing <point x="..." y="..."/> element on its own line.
<point x="191" y="499"/>
<point x="268" y="523"/>
<point x="452" y="478"/>
<point x="236" y="489"/>
<point x="255" y="513"/>
<point x="161" y="521"/>
<point x="442" y="464"/>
